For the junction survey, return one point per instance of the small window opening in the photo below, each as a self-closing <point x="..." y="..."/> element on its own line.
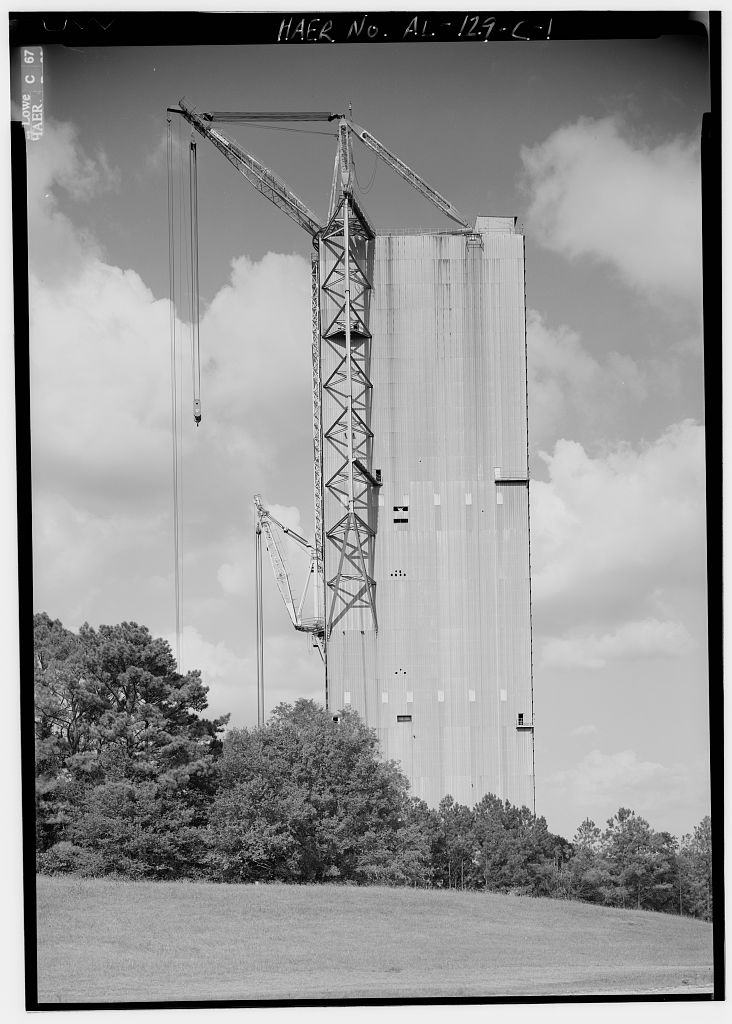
<point x="404" y="718"/>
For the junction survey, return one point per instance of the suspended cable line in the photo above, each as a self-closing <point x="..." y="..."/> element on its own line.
<point x="184" y="277"/>
<point x="174" y="394"/>
<point x="362" y="190"/>
<point x="195" y="319"/>
<point x="283" y="128"/>
<point x="251" y="123"/>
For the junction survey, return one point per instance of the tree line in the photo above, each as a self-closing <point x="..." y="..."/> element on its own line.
<point x="132" y="780"/>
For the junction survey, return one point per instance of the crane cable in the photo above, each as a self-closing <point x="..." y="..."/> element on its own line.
<point x="195" y="345"/>
<point x="183" y="284"/>
<point x="249" y="123"/>
<point x="362" y="190"/>
<point x="177" y="547"/>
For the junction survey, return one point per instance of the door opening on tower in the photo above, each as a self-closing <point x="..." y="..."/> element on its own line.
<point x="419" y="562"/>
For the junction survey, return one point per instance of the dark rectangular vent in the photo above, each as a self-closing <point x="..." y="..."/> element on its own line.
<point x="404" y="718"/>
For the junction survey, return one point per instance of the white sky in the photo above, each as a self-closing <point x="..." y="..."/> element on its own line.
<point x="594" y="146"/>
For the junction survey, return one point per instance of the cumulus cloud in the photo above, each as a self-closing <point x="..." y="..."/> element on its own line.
<point x="156" y="158"/>
<point x="288" y="515"/>
<point x="235" y="575"/>
<point x="292" y="669"/>
<point x="100" y="392"/>
<point x="601" y="783"/>
<point x="598" y="776"/>
<point x="644" y="638"/>
<point x="100" y="343"/>
<point x="570" y="390"/>
<point x="214" y="660"/>
<point x="58" y="168"/>
<point x="57" y="160"/>
<point x="257" y="330"/>
<point x="90" y="566"/>
<point x="101" y="438"/>
<point x="67" y="536"/>
<point x="584" y="730"/>
<point x="607" y="531"/>
<point x="597" y="191"/>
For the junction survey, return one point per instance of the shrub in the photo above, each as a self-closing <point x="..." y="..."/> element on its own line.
<point x="67" y="859"/>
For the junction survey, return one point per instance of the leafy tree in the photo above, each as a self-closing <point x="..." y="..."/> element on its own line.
<point x="514" y="850"/>
<point x="425" y="821"/>
<point x="456" y="848"/>
<point x="695" y="871"/>
<point x="588" y="837"/>
<point x="589" y="872"/>
<point x="641" y="862"/>
<point x="132" y="779"/>
<point x="122" y="752"/>
<point x="308" y="799"/>
<point x="134" y="829"/>
<point x="497" y="846"/>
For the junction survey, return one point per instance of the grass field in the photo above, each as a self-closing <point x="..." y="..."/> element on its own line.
<point x="113" y="941"/>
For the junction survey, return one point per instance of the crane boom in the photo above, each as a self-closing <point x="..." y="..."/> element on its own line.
<point x="262" y="178"/>
<point x="408" y="174"/>
<point x="273" y="188"/>
<point x="265" y="523"/>
<point x="292" y="533"/>
<point x="282" y="577"/>
<point x="276" y="115"/>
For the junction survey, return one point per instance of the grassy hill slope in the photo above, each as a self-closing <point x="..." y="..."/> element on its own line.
<point x="110" y="941"/>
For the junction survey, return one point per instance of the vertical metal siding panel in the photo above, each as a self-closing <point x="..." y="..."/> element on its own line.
<point x="514" y="582"/>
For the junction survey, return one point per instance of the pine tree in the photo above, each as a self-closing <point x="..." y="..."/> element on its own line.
<point x="695" y="872"/>
<point x="122" y="752"/>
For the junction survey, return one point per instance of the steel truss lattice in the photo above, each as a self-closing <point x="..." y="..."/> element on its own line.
<point x="347" y="249"/>
<point x="317" y="415"/>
